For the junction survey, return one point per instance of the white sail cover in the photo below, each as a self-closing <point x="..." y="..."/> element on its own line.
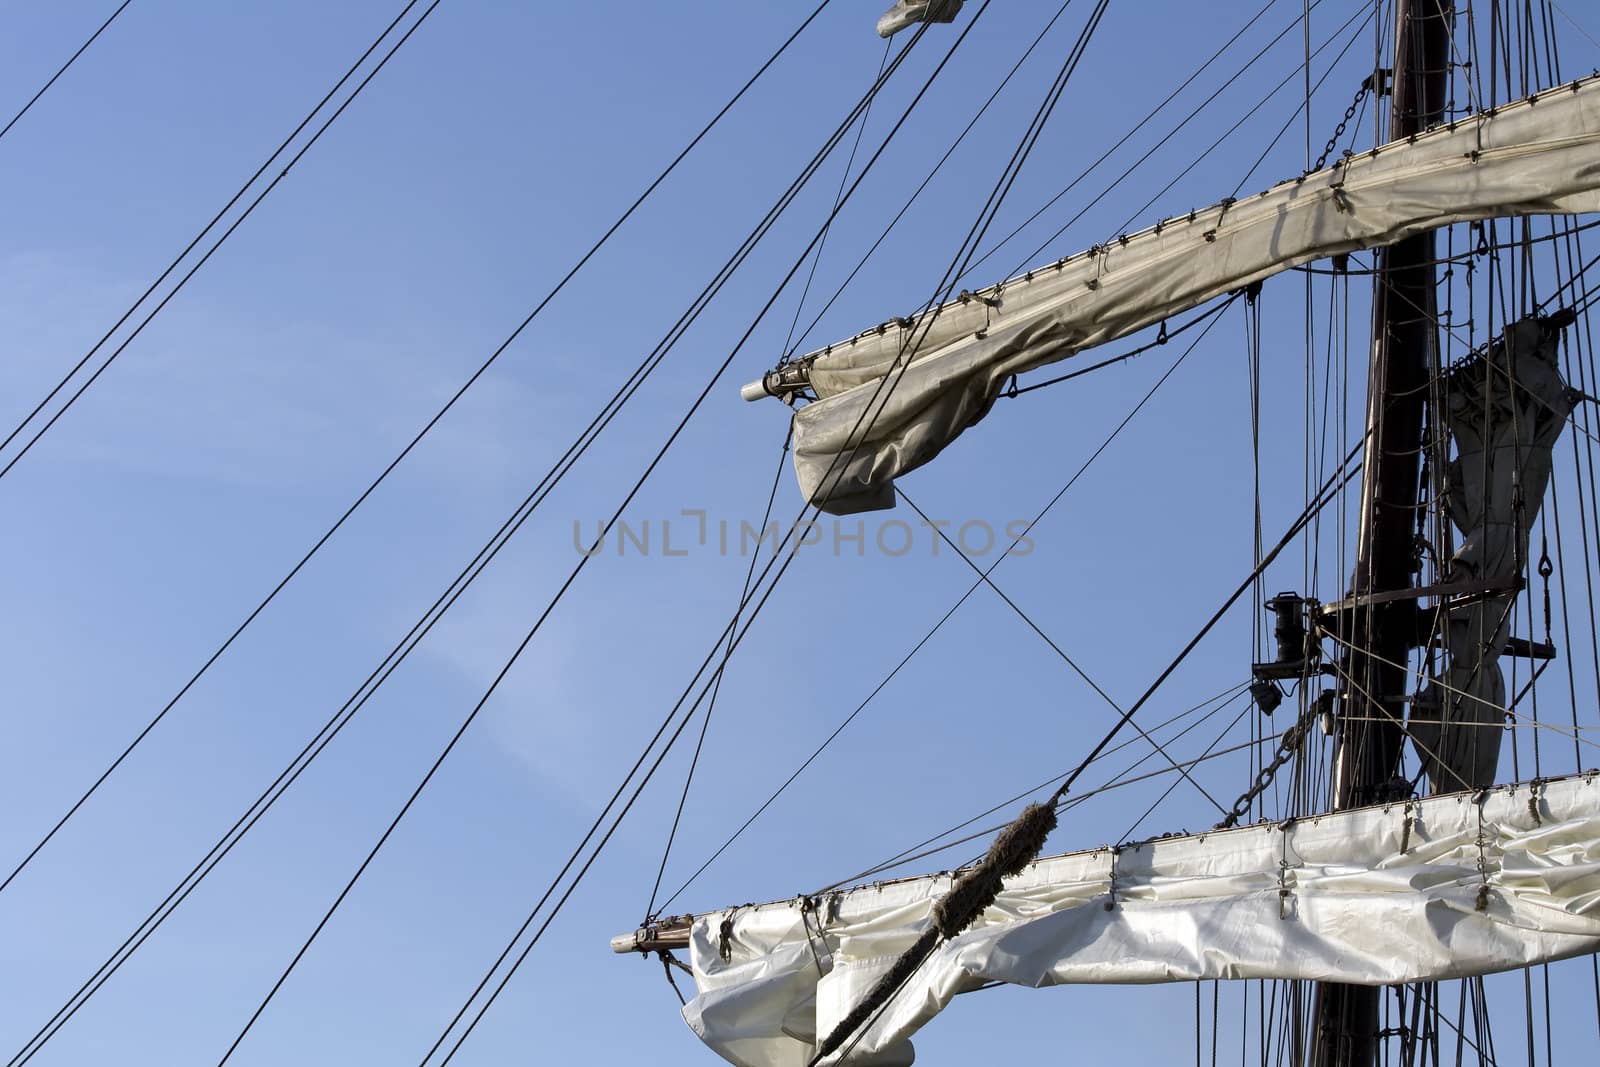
<point x="1538" y="156"/>
<point x="1505" y="410"/>
<point x="1451" y="886"/>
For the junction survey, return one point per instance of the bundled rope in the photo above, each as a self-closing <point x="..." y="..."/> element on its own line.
<point x="1018" y="845"/>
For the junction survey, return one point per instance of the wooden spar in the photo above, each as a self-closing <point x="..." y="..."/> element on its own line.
<point x="1404" y="352"/>
<point x="663" y="935"/>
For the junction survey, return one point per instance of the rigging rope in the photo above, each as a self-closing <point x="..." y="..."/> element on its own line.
<point x="387" y="668"/>
<point x="140" y="736"/>
<point x="1218" y="54"/>
<point x="844" y="178"/>
<point x="705" y="723"/>
<point x="922" y="849"/>
<point x="996" y="198"/>
<point x="616" y="515"/>
<point x="243" y="189"/>
<point x="575" y="449"/>
<point x="1037" y="518"/>
<point x="983" y="109"/>
<point x="1029" y="829"/>
<point x="1056" y="648"/>
<point x="45" y="88"/>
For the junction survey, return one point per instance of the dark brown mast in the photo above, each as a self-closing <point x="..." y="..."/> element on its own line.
<point x="1404" y="354"/>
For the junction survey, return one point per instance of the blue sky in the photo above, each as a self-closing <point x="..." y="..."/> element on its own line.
<point x="399" y="252"/>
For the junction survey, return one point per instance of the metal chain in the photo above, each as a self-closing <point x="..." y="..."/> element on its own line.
<point x="1288" y="748"/>
<point x="1349" y="113"/>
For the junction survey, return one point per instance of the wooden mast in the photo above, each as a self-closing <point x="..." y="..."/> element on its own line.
<point x="1404" y="354"/>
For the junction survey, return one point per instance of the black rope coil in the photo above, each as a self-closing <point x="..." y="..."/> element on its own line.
<point x="1015" y="847"/>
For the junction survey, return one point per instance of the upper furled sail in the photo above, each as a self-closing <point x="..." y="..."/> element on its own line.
<point x="1504" y="409"/>
<point x="1451" y="886"/>
<point x="908" y="12"/>
<point x="882" y="411"/>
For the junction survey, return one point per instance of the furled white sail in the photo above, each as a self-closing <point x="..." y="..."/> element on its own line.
<point x="1538" y="156"/>
<point x="908" y="12"/>
<point x="1504" y="409"/>
<point x="1455" y="885"/>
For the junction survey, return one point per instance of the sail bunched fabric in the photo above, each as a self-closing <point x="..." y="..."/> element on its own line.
<point x="910" y="12"/>
<point x="1505" y="409"/>
<point x="884" y="408"/>
<point x="1447" y="887"/>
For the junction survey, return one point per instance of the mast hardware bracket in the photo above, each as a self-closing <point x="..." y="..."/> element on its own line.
<point x="1298" y="650"/>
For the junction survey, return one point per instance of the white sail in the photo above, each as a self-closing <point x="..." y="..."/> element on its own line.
<point x="1538" y="156"/>
<point x="1451" y="886"/>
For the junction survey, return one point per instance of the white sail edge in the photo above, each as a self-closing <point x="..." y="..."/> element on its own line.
<point x="1446" y="887"/>
<point x="1536" y="156"/>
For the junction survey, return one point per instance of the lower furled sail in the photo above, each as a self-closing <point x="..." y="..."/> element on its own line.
<point x="1504" y="409"/>
<point x="892" y="398"/>
<point x="1447" y="887"/>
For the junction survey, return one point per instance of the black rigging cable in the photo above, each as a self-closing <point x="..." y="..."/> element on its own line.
<point x="711" y="705"/>
<point x="844" y="178"/>
<point x="82" y="48"/>
<point x="243" y="189"/>
<point x="610" y="523"/>
<point x="795" y="343"/>
<point x="1218" y="54"/>
<point x="1062" y="790"/>
<point x="419" y="630"/>
<point x="922" y="850"/>
<point x="1060" y="652"/>
<point x="990" y="207"/>
<point x="973" y="588"/>
<point x="427" y="427"/>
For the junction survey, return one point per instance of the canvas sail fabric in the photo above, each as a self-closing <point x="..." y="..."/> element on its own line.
<point x="909" y="12"/>
<point x="1538" y="156"/>
<point x="1505" y="410"/>
<point x="1451" y="886"/>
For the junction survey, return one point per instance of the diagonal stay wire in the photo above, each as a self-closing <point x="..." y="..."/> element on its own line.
<point x="599" y="821"/>
<point x="705" y="723"/>
<point x="384" y="474"/>
<point x="916" y="851"/>
<point x="577" y="570"/>
<point x="391" y="662"/>
<point x="1303" y="106"/>
<point x="1268" y="97"/>
<point x="1149" y="116"/>
<point x="935" y="306"/>
<point x="789" y="350"/>
<point x="1312" y="509"/>
<point x="937" y="626"/>
<point x="1126" y="778"/>
<point x="844" y="178"/>
<point x="84" y="47"/>
<point x="1336" y="481"/>
<point x="1047" y="242"/>
<point x="888" y="383"/>
<point x="178" y="260"/>
<point x="1055" y="647"/>
<point x="1209" y="749"/>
